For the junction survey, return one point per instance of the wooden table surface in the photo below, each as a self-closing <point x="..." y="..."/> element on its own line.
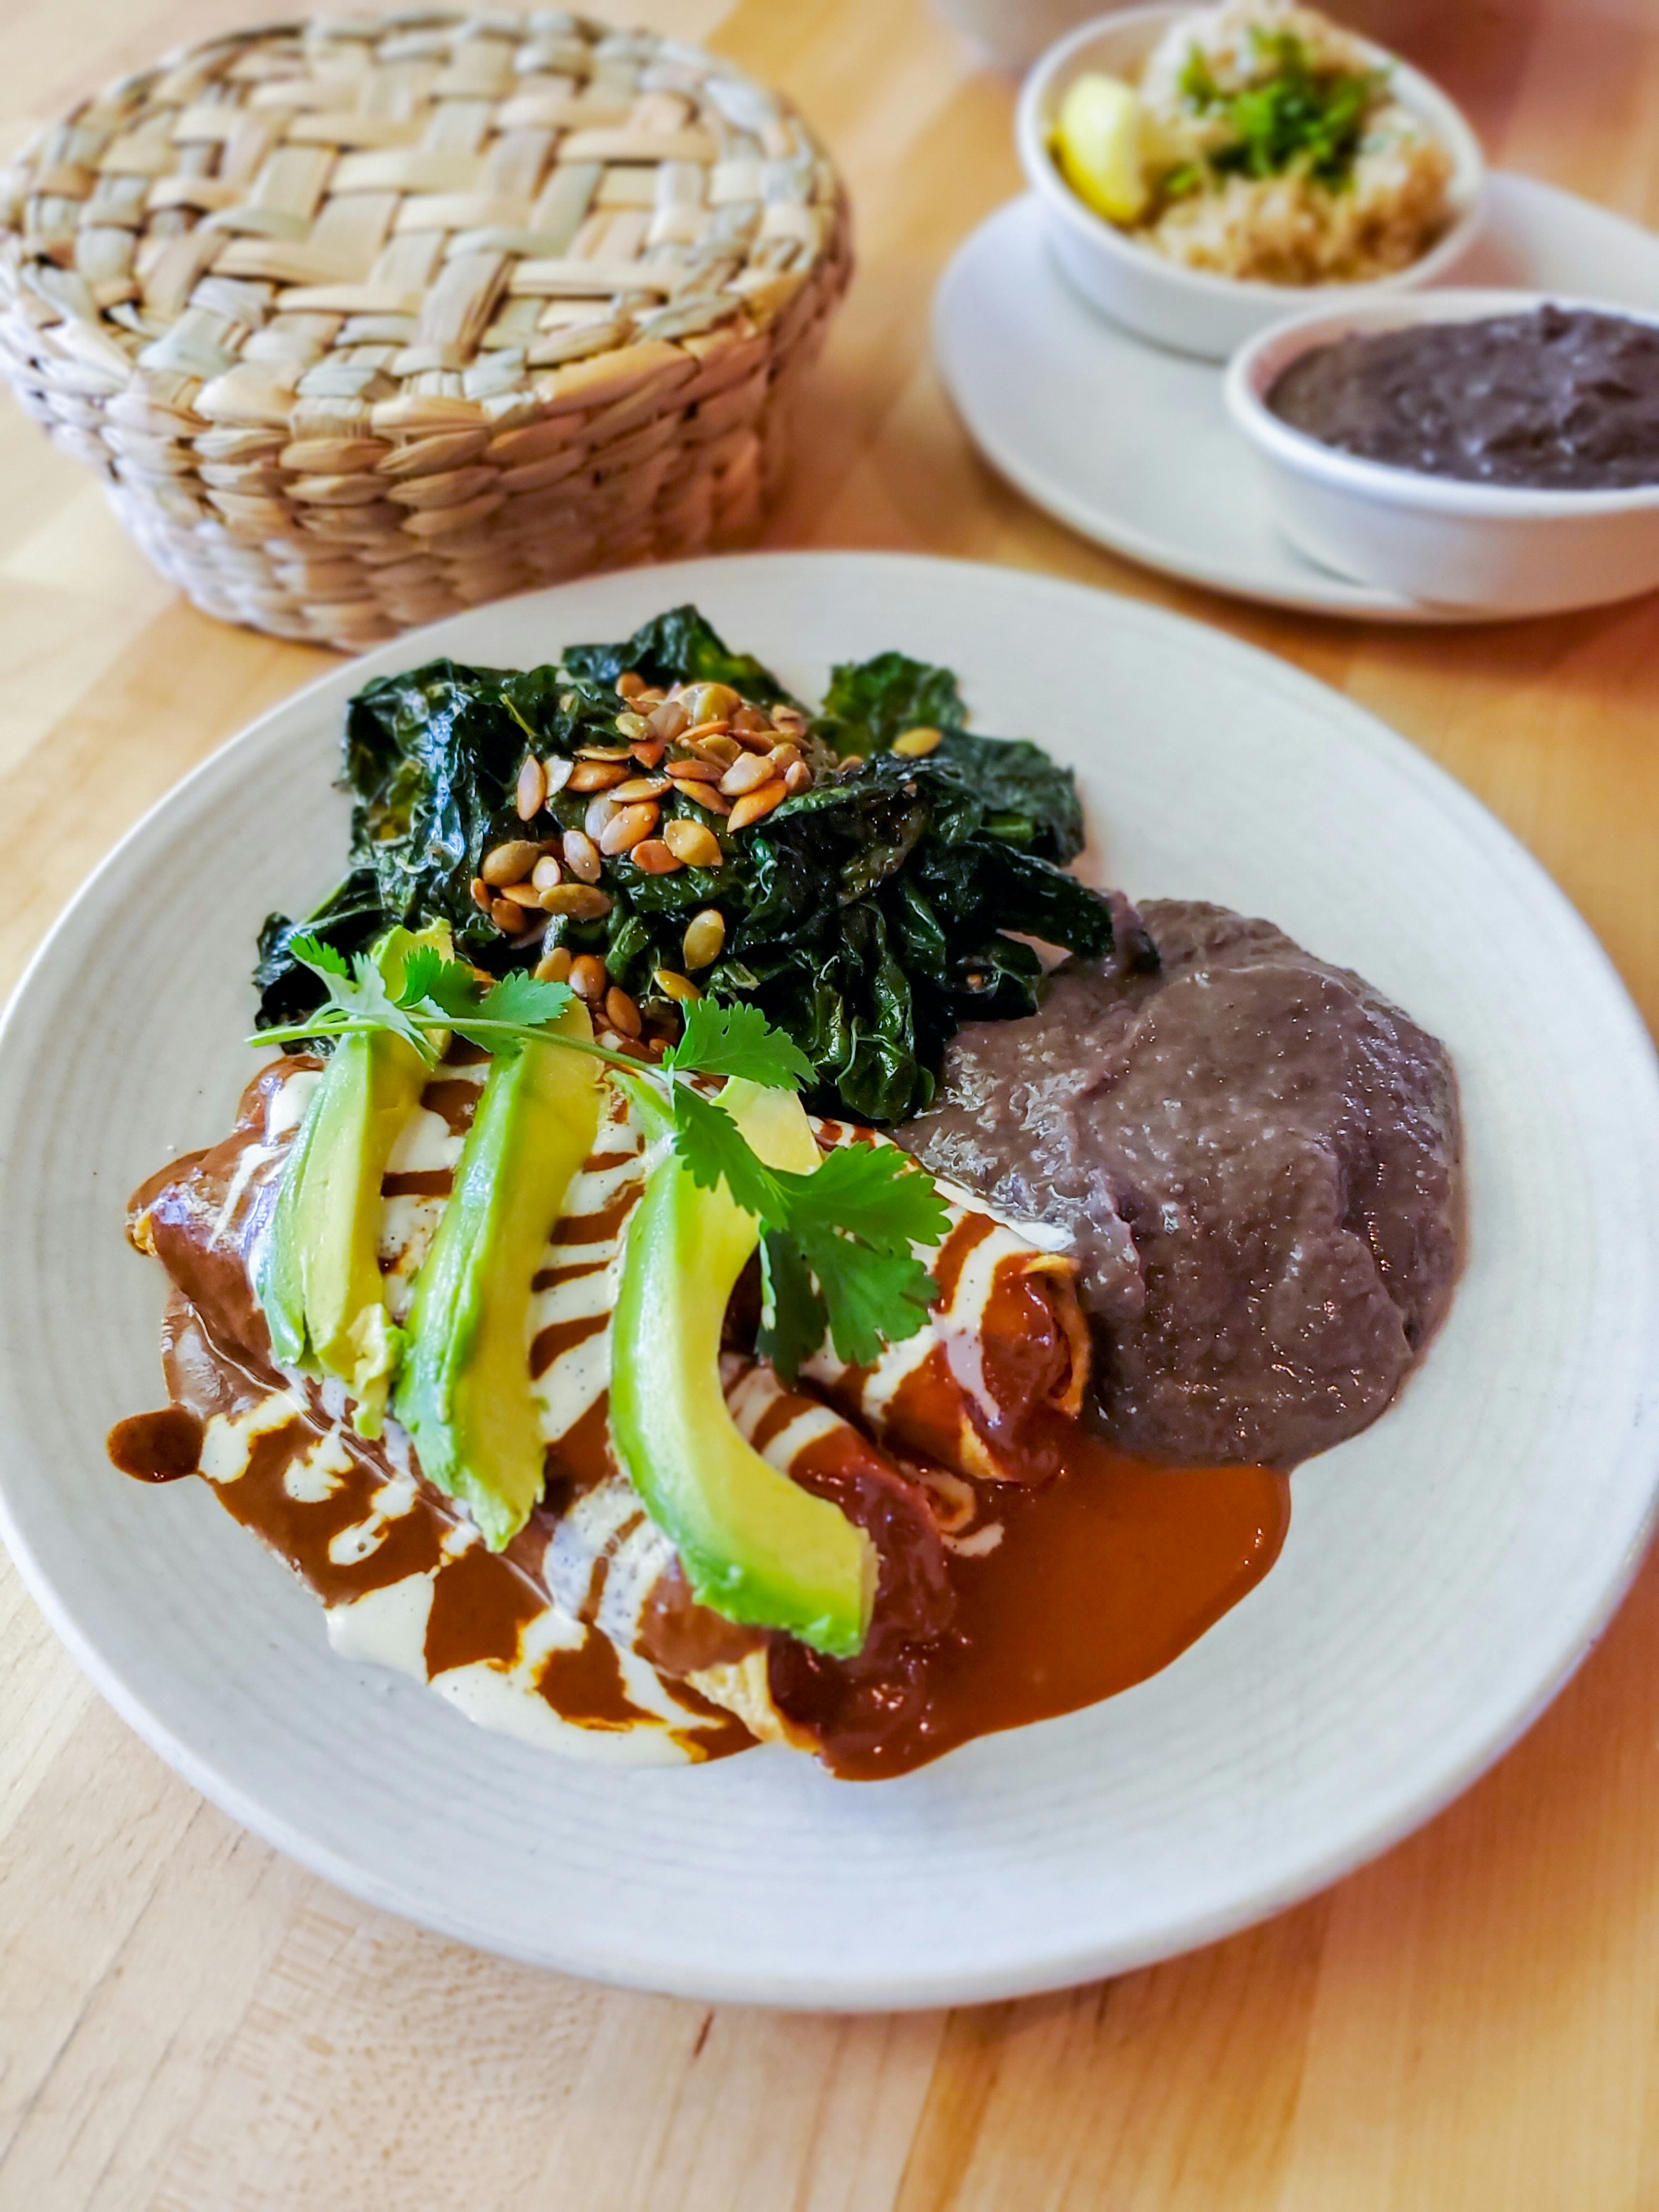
<point x="187" y="2020"/>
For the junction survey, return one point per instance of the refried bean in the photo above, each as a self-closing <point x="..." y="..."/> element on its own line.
<point x="1257" y="1159"/>
<point x="1557" y="400"/>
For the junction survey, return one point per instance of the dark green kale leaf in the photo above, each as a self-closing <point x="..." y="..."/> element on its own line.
<point x="867" y="917"/>
<point x="432" y="757"/>
<point x="871" y="702"/>
<point x="676" y="647"/>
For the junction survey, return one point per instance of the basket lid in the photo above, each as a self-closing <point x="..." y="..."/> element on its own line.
<point x="410" y="223"/>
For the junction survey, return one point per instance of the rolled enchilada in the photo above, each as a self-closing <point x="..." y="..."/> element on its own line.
<point x="583" y="1629"/>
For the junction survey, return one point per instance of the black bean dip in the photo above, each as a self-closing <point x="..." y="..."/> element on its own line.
<point x="1556" y="399"/>
<point x="1257" y="1158"/>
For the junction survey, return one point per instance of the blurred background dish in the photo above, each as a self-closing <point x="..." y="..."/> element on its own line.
<point x="1011" y="34"/>
<point x="1195" y="309"/>
<point x="1131" y="445"/>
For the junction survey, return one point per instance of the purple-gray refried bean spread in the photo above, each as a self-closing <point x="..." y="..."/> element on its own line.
<point x="1258" y="1160"/>
<point x="1556" y="400"/>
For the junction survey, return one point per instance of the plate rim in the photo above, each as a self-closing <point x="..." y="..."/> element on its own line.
<point x="1054" y="1965"/>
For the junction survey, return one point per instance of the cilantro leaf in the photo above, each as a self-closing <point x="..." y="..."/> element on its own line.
<point x="737" y="1039"/>
<point x="449" y="991"/>
<point x="793" y="1320"/>
<point x="712" y="1149"/>
<point x="873" y="1298"/>
<point x="322" y="959"/>
<point x="873" y="1192"/>
<point x="851" y="1225"/>
<point x="519" y="997"/>
<point x="431" y="979"/>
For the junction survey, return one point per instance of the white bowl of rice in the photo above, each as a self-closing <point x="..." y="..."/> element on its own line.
<point x="1232" y="237"/>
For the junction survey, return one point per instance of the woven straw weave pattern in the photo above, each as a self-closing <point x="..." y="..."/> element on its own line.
<point x="366" y="321"/>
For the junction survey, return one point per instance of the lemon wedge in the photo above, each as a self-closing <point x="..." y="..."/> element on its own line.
<point x="1099" y="144"/>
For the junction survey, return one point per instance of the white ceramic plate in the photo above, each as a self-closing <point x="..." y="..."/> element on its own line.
<point x="1131" y="445"/>
<point x="1442" y="1574"/>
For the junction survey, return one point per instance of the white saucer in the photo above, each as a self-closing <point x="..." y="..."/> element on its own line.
<point x="1443" y="1572"/>
<point x="1131" y="445"/>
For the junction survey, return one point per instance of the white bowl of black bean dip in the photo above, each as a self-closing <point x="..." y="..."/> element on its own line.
<point x="1472" y="449"/>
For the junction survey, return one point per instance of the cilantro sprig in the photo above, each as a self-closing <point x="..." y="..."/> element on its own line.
<point x="422" y="995"/>
<point x="837" y="1245"/>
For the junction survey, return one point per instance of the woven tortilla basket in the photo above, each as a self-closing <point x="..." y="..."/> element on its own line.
<point x="365" y="321"/>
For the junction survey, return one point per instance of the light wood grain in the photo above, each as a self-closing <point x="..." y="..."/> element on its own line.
<point x="188" y="2023"/>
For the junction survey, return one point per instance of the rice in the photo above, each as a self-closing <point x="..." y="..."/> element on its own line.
<point x="1292" y="228"/>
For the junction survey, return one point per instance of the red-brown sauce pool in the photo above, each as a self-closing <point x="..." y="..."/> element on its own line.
<point x="1104" y="1576"/>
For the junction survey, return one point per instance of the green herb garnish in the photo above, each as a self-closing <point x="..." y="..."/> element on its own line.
<point x="836" y="1256"/>
<point x="1298" y="118"/>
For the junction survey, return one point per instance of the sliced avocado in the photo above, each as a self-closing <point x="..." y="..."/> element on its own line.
<point x="464" y="1392"/>
<point x="317" y="1276"/>
<point x="754" y="1546"/>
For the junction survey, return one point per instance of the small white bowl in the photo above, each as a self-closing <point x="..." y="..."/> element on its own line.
<point x="1190" y="309"/>
<point x="1505" y="550"/>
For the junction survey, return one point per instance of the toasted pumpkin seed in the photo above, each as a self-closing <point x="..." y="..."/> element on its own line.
<point x="581" y="856"/>
<point x="639" y="786"/>
<point x="628" y="826"/>
<point x="913" y="744"/>
<point x="629" y="684"/>
<point x="577" y="902"/>
<point x="546" y="873"/>
<point x="558" y="771"/>
<point x="715" y="727"/>
<point x="632" y="726"/>
<point x="588" y="978"/>
<point x="655" y="857"/>
<point x="704" y="702"/>
<point x="673" y="985"/>
<point x="669" y="720"/>
<point x="705" y="933"/>
<point x="601" y="811"/>
<point x="554" y="967"/>
<point x="621" y="1013"/>
<point x="532" y="794"/>
<point x="704" y="794"/>
<point x="596" y="774"/>
<point x="748" y="774"/>
<point x="510" y="863"/>
<point x="694" y="842"/>
<point x="482" y="893"/>
<point x="509" y="917"/>
<point x="756" y="804"/>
